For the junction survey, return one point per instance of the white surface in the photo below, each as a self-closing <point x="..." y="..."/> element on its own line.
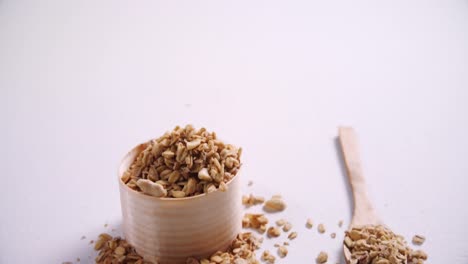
<point x="84" y="81"/>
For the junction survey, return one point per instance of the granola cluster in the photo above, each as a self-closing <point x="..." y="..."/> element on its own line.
<point x="116" y="250"/>
<point x="241" y="251"/>
<point x="183" y="162"/>
<point x="378" y="244"/>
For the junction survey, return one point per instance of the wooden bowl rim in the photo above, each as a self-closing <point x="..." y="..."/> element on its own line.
<point x="162" y="199"/>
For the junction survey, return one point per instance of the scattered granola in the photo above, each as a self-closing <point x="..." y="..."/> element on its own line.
<point x="268" y="257"/>
<point x="249" y="200"/>
<point x="292" y="235"/>
<point x="102" y="239"/>
<point x="116" y="250"/>
<point x="333" y="235"/>
<point x="309" y="223"/>
<point x="322" y="257"/>
<point x="418" y="256"/>
<point x="287" y="226"/>
<point x="273" y="232"/>
<point x="378" y="244"/>
<point x="321" y="228"/>
<point x="340" y="223"/>
<point x="282" y="251"/>
<point x="286" y="243"/>
<point x="183" y="162"/>
<point x="275" y="204"/>
<point x="418" y="240"/>
<point x="241" y="251"/>
<point x="280" y="222"/>
<point x="255" y="221"/>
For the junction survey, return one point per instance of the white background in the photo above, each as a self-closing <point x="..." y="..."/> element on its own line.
<point x="82" y="82"/>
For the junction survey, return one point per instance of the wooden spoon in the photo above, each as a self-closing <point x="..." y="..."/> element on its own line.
<point x="364" y="213"/>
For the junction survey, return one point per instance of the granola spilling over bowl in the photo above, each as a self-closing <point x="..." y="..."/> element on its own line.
<point x="241" y="251"/>
<point x="378" y="244"/>
<point x="117" y="250"/>
<point x="183" y="162"/>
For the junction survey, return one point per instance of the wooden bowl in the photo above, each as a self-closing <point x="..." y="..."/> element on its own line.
<point x="169" y="230"/>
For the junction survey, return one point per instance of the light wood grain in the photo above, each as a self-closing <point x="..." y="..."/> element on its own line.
<point x="364" y="212"/>
<point x="169" y="230"/>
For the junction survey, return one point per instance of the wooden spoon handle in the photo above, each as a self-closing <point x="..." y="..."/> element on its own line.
<point x="364" y="212"/>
